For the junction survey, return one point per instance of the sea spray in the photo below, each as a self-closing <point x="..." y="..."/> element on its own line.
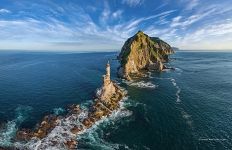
<point x="57" y="132"/>
<point x="92" y="138"/>
<point x="178" y="70"/>
<point x="173" y="81"/>
<point x="178" y="90"/>
<point x="10" y="128"/>
<point x="59" y="111"/>
<point x="184" y="114"/>
<point x="59" y="135"/>
<point x="187" y="117"/>
<point x="141" y="84"/>
<point x="62" y="133"/>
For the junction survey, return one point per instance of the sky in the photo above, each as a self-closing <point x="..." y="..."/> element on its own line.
<point x="104" y="25"/>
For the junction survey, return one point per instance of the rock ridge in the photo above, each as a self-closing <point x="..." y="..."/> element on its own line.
<point x="141" y="52"/>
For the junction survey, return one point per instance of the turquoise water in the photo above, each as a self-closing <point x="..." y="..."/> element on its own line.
<point x="189" y="108"/>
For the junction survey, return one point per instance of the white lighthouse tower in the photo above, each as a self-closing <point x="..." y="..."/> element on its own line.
<point x="108" y="69"/>
<point x="106" y="77"/>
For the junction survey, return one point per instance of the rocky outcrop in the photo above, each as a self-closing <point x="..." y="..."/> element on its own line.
<point x="106" y="100"/>
<point x="107" y="97"/>
<point x="141" y="52"/>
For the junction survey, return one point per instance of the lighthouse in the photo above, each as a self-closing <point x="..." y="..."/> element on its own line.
<point x="108" y="69"/>
<point x="106" y="77"/>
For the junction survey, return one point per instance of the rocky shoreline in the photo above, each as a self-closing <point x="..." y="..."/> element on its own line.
<point x="106" y="101"/>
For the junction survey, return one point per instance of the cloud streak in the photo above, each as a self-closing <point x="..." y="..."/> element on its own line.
<point x="2" y="11"/>
<point x="106" y="26"/>
<point x="132" y="3"/>
<point x="219" y="34"/>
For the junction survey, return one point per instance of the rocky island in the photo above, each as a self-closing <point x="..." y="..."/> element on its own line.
<point x="75" y="122"/>
<point x="141" y="52"/>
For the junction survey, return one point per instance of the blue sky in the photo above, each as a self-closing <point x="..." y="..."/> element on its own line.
<point x="106" y="24"/>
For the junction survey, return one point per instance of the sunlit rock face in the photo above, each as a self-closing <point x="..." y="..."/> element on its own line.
<point x="108" y="87"/>
<point x="110" y="93"/>
<point x="141" y="52"/>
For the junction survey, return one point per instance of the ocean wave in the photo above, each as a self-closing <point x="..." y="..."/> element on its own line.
<point x="178" y="70"/>
<point x="62" y="132"/>
<point x="59" y="135"/>
<point x="160" y="78"/>
<point x="167" y="70"/>
<point x="93" y="137"/>
<point x="178" y="90"/>
<point x="141" y="84"/>
<point x="184" y="114"/>
<point x="58" y="111"/>
<point x="187" y="117"/>
<point x="10" y="128"/>
<point x="95" y="140"/>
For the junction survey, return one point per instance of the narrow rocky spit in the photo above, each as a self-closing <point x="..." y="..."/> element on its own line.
<point x="55" y="132"/>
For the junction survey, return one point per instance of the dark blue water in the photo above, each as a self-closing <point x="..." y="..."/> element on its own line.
<point x="189" y="108"/>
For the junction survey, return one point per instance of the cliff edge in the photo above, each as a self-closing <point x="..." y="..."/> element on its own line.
<point x="141" y="52"/>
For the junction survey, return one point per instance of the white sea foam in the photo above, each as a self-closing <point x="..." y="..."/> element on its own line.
<point x="149" y="74"/>
<point x="10" y="128"/>
<point x="93" y="139"/>
<point x="160" y="78"/>
<point x="178" y="90"/>
<point x="59" y="134"/>
<point x="187" y="117"/>
<point x="184" y="114"/>
<point x="98" y="92"/>
<point x="7" y="133"/>
<point x="58" y="111"/>
<point x="178" y="70"/>
<point x="141" y="84"/>
<point x="167" y="70"/>
<point x="62" y="133"/>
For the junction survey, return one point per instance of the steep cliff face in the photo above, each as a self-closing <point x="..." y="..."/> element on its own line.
<point x="141" y="52"/>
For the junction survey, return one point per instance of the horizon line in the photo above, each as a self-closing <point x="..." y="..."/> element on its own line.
<point x="109" y="50"/>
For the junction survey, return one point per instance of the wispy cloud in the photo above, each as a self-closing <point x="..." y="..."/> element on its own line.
<point x="32" y="30"/>
<point x="117" y="14"/>
<point x="107" y="26"/>
<point x="136" y="22"/>
<point x="161" y="6"/>
<point x="4" y="11"/>
<point x="133" y="3"/>
<point x="181" y="21"/>
<point x="218" y="35"/>
<point x="192" y="4"/>
<point x="165" y="13"/>
<point x="105" y="13"/>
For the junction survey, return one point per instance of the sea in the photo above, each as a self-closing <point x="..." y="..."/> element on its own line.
<point x="188" y="108"/>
